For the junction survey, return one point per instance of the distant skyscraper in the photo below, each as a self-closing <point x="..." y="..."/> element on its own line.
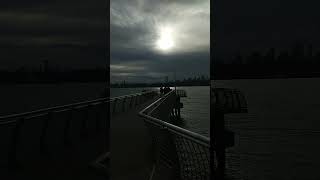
<point x="298" y="51"/>
<point x="45" y="66"/>
<point x="309" y="50"/>
<point x="270" y="56"/>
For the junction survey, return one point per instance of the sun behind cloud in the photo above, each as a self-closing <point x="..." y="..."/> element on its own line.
<point x="166" y="39"/>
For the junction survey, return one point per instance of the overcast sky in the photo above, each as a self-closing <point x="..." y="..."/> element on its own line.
<point x="248" y="25"/>
<point x="153" y="38"/>
<point x="73" y="33"/>
<point x="70" y="33"/>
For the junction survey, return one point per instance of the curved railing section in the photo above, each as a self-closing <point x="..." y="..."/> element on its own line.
<point x="224" y="101"/>
<point x="68" y="123"/>
<point x="182" y="153"/>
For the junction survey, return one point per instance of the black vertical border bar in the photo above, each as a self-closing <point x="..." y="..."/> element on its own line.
<point x="108" y="72"/>
<point x="212" y="159"/>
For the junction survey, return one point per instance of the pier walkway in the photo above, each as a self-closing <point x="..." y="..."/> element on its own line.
<point x="145" y="144"/>
<point x="130" y="145"/>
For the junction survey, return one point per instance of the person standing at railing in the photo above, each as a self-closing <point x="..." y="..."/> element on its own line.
<point x="167" y="89"/>
<point x="161" y="90"/>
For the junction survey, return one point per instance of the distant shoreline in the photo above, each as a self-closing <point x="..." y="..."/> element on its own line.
<point x="159" y="86"/>
<point x="217" y="77"/>
<point x="267" y="77"/>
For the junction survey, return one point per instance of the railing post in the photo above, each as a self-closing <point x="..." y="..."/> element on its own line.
<point x="114" y="105"/>
<point x="85" y="122"/>
<point x="43" y="144"/>
<point x="219" y="142"/>
<point x="136" y="100"/>
<point x="131" y="99"/>
<point x="123" y="104"/>
<point x="99" y="115"/>
<point x="67" y="127"/>
<point x="13" y="162"/>
<point x="107" y="125"/>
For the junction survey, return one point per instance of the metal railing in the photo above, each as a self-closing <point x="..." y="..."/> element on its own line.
<point x="181" y="93"/>
<point x="229" y="100"/>
<point x="123" y="103"/>
<point x="78" y="118"/>
<point x="183" y="153"/>
<point x="224" y="101"/>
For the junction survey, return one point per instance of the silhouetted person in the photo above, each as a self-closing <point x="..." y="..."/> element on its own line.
<point x="161" y="90"/>
<point x="166" y="90"/>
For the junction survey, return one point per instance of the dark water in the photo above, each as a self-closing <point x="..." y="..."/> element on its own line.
<point x="114" y="92"/>
<point x="196" y="109"/>
<point x="280" y="136"/>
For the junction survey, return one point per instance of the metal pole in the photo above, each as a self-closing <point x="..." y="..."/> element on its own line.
<point x="175" y="82"/>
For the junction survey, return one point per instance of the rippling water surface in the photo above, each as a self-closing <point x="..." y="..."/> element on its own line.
<point x="196" y="109"/>
<point x="280" y="136"/>
<point x="114" y="92"/>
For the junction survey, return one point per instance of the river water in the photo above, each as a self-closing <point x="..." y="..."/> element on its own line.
<point x="280" y="136"/>
<point x="196" y="109"/>
<point x="114" y="92"/>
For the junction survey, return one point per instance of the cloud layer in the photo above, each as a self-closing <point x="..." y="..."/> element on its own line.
<point x="247" y="25"/>
<point x="135" y="29"/>
<point x="66" y="33"/>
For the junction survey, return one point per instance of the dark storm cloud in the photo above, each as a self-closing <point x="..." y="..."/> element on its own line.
<point x="67" y="33"/>
<point x="135" y="27"/>
<point x="244" y="26"/>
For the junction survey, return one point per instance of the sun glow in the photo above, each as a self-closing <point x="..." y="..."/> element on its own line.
<point x="165" y="41"/>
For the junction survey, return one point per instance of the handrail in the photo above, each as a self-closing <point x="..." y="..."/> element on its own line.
<point x="51" y="109"/>
<point x="185" y="153"/>
<point x="68" y="106"/>
<point x="171" y="126"/>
